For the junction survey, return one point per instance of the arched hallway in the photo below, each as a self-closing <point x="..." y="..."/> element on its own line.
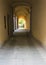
<point x="22" y="32"/>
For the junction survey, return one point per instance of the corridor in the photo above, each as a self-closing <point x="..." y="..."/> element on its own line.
<point x="22" y="32"/>
<point x="21" y="50"/>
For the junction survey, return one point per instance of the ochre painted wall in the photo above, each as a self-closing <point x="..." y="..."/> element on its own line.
<point x="39" y="20"/>
<point x="28" y="21"/>
<point x="4" y="9"/>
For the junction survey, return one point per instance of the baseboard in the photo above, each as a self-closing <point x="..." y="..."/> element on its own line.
<point x="1" y="44"/>
<point x="38" y="41"/>
<point x="5" y="41"/>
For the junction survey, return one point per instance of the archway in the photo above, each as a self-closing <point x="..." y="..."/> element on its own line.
<point x="21" y="23"/>
<point x="22" y="18"/>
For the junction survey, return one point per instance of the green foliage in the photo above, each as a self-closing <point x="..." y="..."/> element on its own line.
<point x="21" y="22"/>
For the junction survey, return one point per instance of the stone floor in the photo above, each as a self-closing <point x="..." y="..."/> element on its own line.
<point x="22" y="51"/>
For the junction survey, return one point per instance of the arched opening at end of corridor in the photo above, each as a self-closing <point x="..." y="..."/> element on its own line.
<point x="21" y="23"/>
<point x="21" y="19"/>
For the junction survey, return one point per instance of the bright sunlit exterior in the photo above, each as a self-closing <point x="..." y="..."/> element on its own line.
<point x="21" y="23"/>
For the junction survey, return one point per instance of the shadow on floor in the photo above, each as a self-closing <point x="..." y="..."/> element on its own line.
<point x="21" y="41"/>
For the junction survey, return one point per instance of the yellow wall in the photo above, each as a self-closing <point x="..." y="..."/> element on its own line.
<point x="4" y="9"/>
<point x="28" y="21"/>
<point x="39" y="20"/>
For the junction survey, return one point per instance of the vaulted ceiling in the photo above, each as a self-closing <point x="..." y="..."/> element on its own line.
<point x="21" y="6"/>
<point x="20" y="2"/>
